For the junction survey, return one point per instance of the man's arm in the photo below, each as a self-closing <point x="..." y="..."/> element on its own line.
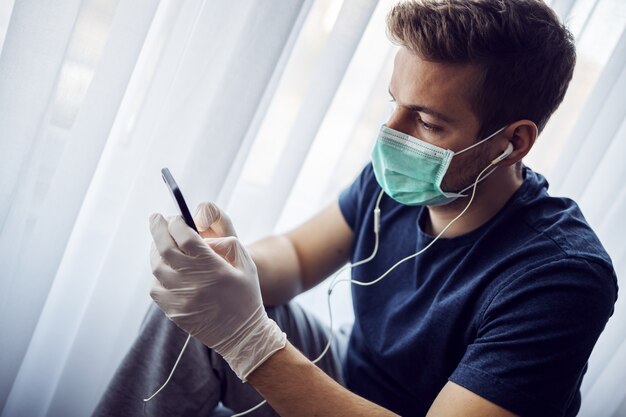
<point x="300" y="259"/>
<point x="455" y="401"/>
<point x="295" y="387"/>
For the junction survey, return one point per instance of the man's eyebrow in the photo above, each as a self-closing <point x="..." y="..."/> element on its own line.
<point x="424" y="109"/>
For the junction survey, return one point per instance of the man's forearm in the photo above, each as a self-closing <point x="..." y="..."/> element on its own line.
<point x="278" y="269"/>
<point x="296" y="387"/>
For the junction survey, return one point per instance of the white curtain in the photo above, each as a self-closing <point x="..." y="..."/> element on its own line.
<point x="268" y="108"/>
<point x="94" y="102"/>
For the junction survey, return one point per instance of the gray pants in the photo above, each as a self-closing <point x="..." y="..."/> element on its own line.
<point x="203" y="379"/>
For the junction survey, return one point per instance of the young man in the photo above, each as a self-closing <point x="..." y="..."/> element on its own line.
<point x="496" y="318"/>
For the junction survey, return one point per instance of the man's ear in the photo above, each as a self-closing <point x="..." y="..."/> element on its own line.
<point x="522" y="134"/>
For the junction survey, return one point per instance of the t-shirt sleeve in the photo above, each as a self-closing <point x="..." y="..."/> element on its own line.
<point x="351" y="198"/>
<point x="536" y="335"/>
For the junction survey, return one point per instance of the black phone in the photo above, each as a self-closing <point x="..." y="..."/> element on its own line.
<point x="177" y="195"/>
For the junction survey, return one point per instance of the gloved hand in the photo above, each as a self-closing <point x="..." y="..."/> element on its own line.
<point x="209" y="287"/>
<point x="212" y="222"/>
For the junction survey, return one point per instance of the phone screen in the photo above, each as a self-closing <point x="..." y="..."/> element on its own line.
<point x="177" y="195"/>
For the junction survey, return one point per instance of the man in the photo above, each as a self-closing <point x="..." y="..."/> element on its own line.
<point x="496" y="318"/>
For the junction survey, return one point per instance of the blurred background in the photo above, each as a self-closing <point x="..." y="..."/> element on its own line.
<point x="269" y="109"/>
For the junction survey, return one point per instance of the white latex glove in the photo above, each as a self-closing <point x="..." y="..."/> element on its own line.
<point x="210" y="288"/>
<point x="212" y="222"/>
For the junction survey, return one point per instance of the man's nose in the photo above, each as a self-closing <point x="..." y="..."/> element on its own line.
<point x="399" y="120"/>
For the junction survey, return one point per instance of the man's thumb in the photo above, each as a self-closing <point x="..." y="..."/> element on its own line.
<point x="209" y="216"/>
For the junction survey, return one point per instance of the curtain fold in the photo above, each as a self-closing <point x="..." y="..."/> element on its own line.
<point x="347" y="33"/>
<point x="562" y="7"/>
<point x="36" y="39"/>
<point x="327" y="74"/>
<point x="599" y="121"/>
<point x="192" y="115"/>
<point x="42" y="237"/>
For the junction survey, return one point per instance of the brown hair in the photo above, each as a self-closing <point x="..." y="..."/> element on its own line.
<point x="528" y="56"/>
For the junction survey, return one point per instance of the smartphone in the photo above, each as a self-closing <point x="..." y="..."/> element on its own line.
<point x="177" y="195"/>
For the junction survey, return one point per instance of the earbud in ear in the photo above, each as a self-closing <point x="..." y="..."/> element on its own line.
<point x="508" y="151"/>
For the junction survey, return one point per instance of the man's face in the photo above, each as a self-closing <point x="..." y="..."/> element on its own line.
<point x="434" y="103"/>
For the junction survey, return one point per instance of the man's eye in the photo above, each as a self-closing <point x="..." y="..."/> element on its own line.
<point x="429" y="127"/>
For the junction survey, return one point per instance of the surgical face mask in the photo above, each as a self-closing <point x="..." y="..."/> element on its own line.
<point x="410" y="170"/>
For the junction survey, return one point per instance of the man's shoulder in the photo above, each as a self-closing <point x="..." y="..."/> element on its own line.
<point x="559" y="223"/>
<point x="551" y="242"/>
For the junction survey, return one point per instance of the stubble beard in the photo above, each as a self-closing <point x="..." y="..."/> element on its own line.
<point x="459" y="177"/>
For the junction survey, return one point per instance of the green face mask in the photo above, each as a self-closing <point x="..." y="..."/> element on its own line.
<point x="410" y="170"/>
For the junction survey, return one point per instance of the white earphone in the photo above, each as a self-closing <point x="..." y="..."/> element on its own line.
<point x="508" y="151"/>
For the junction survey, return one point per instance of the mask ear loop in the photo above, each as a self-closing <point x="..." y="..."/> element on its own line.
<point x="481" y="141"/>
<point x="508" y="151"/>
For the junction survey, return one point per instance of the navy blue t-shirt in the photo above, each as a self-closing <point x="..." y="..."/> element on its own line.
<point x="510" y="311"/>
